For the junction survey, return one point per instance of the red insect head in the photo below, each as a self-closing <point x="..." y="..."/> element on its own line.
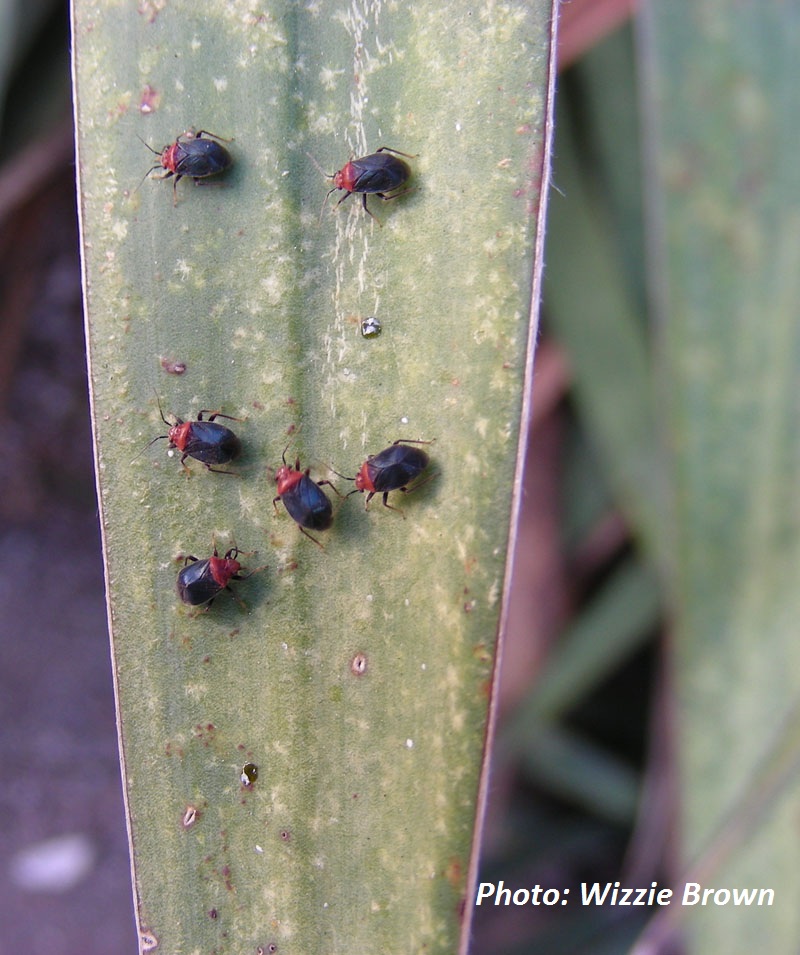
<point x="346" y="177"/>
<point x="223" y="568"/>
<point x="180" y="434"/>
<point x="364" y="479"/>
<point x="169" y="157"/>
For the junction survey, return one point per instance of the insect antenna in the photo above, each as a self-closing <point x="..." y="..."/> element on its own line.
<point x="161" y="412"/>
<point x="158" y="165"/>
<point x="159" y="437"/>
<point x="155" y="152"/>
<point x="327" y="175"/>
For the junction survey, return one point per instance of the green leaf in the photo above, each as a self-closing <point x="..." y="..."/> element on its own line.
<point x="727" y="289"/>
<point x="611" y="627"/>
<point x="581" y="772"/>
<point x="595" y="317"/>
<point x="356" y="679"/>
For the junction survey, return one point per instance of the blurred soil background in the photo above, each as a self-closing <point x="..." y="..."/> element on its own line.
<point x="58" y="746"/>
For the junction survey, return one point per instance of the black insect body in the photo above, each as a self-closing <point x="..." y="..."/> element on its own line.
<point x="392" y="469"/>
<point x="380" y="174"/>
<point x="200" y="581"/>
<point x="304" y="499"/>
<point x="193" y="156"/>
<point x="205" y="440"/>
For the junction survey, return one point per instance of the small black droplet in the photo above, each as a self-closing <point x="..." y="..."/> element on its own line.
<point x="249" y="774"/>
<point x="371" y="327"/>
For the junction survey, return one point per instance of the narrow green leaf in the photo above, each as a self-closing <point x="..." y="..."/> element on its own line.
<point x="582" y="773"/>
<point x="722" y="104"/>
<point x="593" y="312"/>
<point x="356" y="679"/>
<point x="624" y="613"/>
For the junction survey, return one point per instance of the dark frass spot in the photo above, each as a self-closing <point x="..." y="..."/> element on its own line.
<point x="371" y="327"/>
<point x="249" y="774"/>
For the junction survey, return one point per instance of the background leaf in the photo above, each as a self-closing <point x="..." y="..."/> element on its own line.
<point x="730" y="353"/>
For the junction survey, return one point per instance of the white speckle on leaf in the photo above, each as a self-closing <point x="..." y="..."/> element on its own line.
<point x="195" y="691"/>
<point x="273" y="288"/>
<point x="328" y="77"/>
<point x="247" y="337"/>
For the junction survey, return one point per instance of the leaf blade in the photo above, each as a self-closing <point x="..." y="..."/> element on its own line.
<point x="261" y="302"/>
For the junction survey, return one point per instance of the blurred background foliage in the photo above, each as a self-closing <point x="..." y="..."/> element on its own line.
<point x="648" y="662"/>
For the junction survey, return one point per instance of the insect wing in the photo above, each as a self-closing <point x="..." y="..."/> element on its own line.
<point x="309" y="505"/>
<point x="202" y="157"/>
<point x="396" y="466"/>
<point x="196" y="585"/>
<point x="380" y="173"/>
<point x="212" y="443"/>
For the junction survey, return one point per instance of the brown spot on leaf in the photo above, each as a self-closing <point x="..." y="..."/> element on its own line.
<point x="149" y="100"/>
<point x="172" y="367"/>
